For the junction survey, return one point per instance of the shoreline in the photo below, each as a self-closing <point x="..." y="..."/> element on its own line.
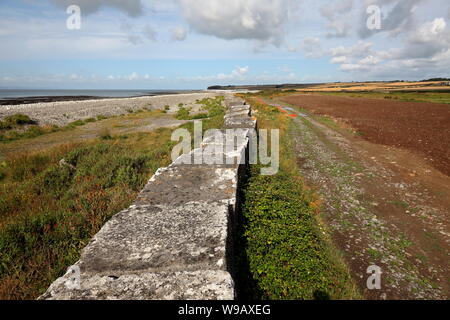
<point x="61" y="113"/>
<point x="17" y="101"/>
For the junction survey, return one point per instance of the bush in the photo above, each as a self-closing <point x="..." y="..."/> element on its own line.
<point x="183" y="113"/>
<point x="199" y="116"/>
<point x="18" y="120"/>
<point x="56" y="180"/>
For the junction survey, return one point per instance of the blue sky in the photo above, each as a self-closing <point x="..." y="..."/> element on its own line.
<point x="191" y="44"/>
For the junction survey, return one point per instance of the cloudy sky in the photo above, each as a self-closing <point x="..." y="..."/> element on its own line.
<point x="191" y="44"/>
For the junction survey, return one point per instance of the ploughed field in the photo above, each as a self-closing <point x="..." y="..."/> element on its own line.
<point x="423" y="128"/>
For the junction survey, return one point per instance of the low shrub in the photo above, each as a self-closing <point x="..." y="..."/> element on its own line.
<point x="77" y="123"/>
<point x="18" y="120"/>
<point x="183" y="113"/>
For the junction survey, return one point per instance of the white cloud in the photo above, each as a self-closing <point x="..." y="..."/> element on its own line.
<point x="312" y="47"/>
<point x="352" y="67"/>
<point x="238" y="74"/>
<point x="360" y="49"/>
<point x="261" y="20"/>
<point x="133" y="76"/>
<point x="339" y="60"/>
<point x="338" y="14"/>
<point x="425" y="51"/>
<point x="241" y="71"/>
<point x="179" y="34"/>
<point x="370" y="60"/>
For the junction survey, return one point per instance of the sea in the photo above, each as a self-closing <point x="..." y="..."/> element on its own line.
<point x="20" y="93"/>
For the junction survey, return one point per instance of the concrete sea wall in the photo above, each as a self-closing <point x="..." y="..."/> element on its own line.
<point x="175" y="241"/>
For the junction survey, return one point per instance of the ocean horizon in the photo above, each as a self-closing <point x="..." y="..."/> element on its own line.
<point x="27" y="93"/>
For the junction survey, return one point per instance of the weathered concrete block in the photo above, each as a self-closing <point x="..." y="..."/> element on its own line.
<point x="197" y="285"/>
<point x="239" y="122"/>
<point x="161" y="238"/>
<point x="178" y="185"/>
<point x="175" y="241"/>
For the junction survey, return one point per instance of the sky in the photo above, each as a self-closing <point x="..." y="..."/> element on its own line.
<point x="192" y="44"/>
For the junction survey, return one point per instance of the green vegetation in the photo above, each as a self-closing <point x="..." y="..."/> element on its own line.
<point x="183" y="113"/>
<point x="13" y="127"/>
<point x="15" y="121"/>
<point x="214" y="108"/>
<point x="50" y="210"/>
<point x="54" y="201"/>
<point x="281" y="241"/>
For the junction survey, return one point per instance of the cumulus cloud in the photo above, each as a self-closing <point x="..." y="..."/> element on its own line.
<point x="131" y="7"/>
<point x="425" y="50"/>
<point x="430" y="39"/>
<point x="237" y="19"/>
<point x="179" y="34"/>
<point x="338" y="14"/>
<point x="238" y="74"/>
<point x="360" y="49"/>
<point x="312" y="47"/>
<point x="339" y="60"/>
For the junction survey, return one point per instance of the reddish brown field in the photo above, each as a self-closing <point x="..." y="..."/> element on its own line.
<point x="423" y="128"/>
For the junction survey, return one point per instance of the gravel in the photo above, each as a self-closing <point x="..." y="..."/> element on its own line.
<point x="62" y="113"/>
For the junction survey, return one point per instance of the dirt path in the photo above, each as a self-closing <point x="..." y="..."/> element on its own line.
<point x="383" y="206"/>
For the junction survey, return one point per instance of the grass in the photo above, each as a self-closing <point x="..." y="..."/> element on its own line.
<point x="50" y="209"/>
<point x="283" y="245"/>
<point x="214" y="108"/>
<point x="49" y="212"/>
